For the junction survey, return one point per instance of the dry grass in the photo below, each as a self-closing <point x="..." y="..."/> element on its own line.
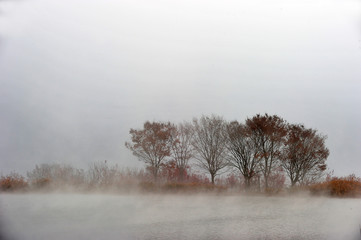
<point x="349" y="186"/>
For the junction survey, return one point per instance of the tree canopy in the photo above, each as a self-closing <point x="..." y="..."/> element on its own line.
<point x="152" y="144"/>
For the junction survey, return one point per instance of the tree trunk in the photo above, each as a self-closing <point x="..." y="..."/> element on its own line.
<point x="248" y="183"/>
<point x="265" y="182"/>
<point x="182" y="174"/>
<point x="155" y="174"/>
<point x="293" y="183"/>
<point x="212" y="178"/>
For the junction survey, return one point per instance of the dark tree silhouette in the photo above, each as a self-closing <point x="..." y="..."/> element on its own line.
<point x="304" y="153"/>
<point x="209" y="142"/>
<point x="242" y="150"/>
<point x="269" y="133"/>
<point x="152" y="144"/>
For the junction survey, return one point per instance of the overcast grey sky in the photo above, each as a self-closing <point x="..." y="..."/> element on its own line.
<point x="76" y="75"/>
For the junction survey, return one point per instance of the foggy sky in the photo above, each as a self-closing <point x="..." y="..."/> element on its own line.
<point x="75" y="76"/>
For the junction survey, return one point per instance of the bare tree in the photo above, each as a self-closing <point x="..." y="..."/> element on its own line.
<point x="152" y="144"/>
<point x="56" y="175"/>
<point x="304" y="154"/>
<point x="101" y="174"/>
<point x="182" y="149"/>
<point x="209" y="142"/>
<point x="269" y="132"/>
<point x="243" y="151"/>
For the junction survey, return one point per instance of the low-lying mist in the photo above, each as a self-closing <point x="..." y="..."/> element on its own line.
<point x="159" y="216"/>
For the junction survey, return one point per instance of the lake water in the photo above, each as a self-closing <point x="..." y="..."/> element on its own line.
<point x="95" y="216"/>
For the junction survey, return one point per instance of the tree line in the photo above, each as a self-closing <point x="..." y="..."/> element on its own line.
<point x="257" y="148"/>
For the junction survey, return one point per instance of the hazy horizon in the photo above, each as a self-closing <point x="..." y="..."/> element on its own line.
<point x="75" y="76"/>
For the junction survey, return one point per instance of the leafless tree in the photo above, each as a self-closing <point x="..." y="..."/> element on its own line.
<point x="56" y="174"/>
<point x="152" y="144"/>
<point x="269" y="132"/>
<point x="182" y="148"/>
<point x="243" y="151"/>
<point x="209" y="142"/>
<point x="304" y="154"/>
<point x="102" y="175"/>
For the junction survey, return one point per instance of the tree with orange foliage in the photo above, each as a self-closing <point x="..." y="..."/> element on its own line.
<point x="304" y="154"/>
<point x="269" y="134"/>
<point x="152" y="144"/>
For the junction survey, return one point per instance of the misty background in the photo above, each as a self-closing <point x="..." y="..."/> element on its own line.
<point x="75" y="76"/>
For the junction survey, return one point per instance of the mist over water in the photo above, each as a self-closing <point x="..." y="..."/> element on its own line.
<point x="76" y="75"/>
<point x="92" y="216"/>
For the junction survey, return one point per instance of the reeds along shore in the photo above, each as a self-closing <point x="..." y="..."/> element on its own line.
<point x="102" y="177"/>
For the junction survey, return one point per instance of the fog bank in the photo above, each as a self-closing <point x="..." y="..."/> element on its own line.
<point x="76" y="75"/>
<point x="92" y="216"/>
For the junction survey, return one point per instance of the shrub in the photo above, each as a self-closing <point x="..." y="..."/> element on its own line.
<point x="192" y="187"/>
<point x="147" y="186"/>
<point x="59" y="175"/>
<point x="12" y="182"/>
<point x="41" y="183"/>
<point x="349" y="186"/>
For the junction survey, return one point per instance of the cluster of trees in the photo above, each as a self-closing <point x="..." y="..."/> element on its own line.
<point x="103" y="177"/>
<point x="99" y="176"/>
<point x="258" y="148"/>
<point x="261" y="151"/>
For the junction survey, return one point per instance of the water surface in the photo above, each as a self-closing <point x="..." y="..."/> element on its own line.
<point x="93" y="216"/>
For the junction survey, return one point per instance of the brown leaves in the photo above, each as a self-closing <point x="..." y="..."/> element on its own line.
<point x="259" y="146"/>
<point x="349" y="186"/>
<point x="304" y="153"/>
<point x="152" y="144"/>
<point x="12" y="182"/>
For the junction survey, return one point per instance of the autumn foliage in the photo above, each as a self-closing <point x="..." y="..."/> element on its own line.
<point x="152" y="144"/>
<point x="103" y="177"/>
<point x="264" y="153"/>
<point x="349" y="186"/>
<point x="12" y="182"/>
<point x="264" y="149"/>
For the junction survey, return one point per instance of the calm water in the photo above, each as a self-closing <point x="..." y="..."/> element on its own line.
<point x="69" y="216"/>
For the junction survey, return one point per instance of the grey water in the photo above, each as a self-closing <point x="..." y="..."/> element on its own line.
<point x="97" y="216"/>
